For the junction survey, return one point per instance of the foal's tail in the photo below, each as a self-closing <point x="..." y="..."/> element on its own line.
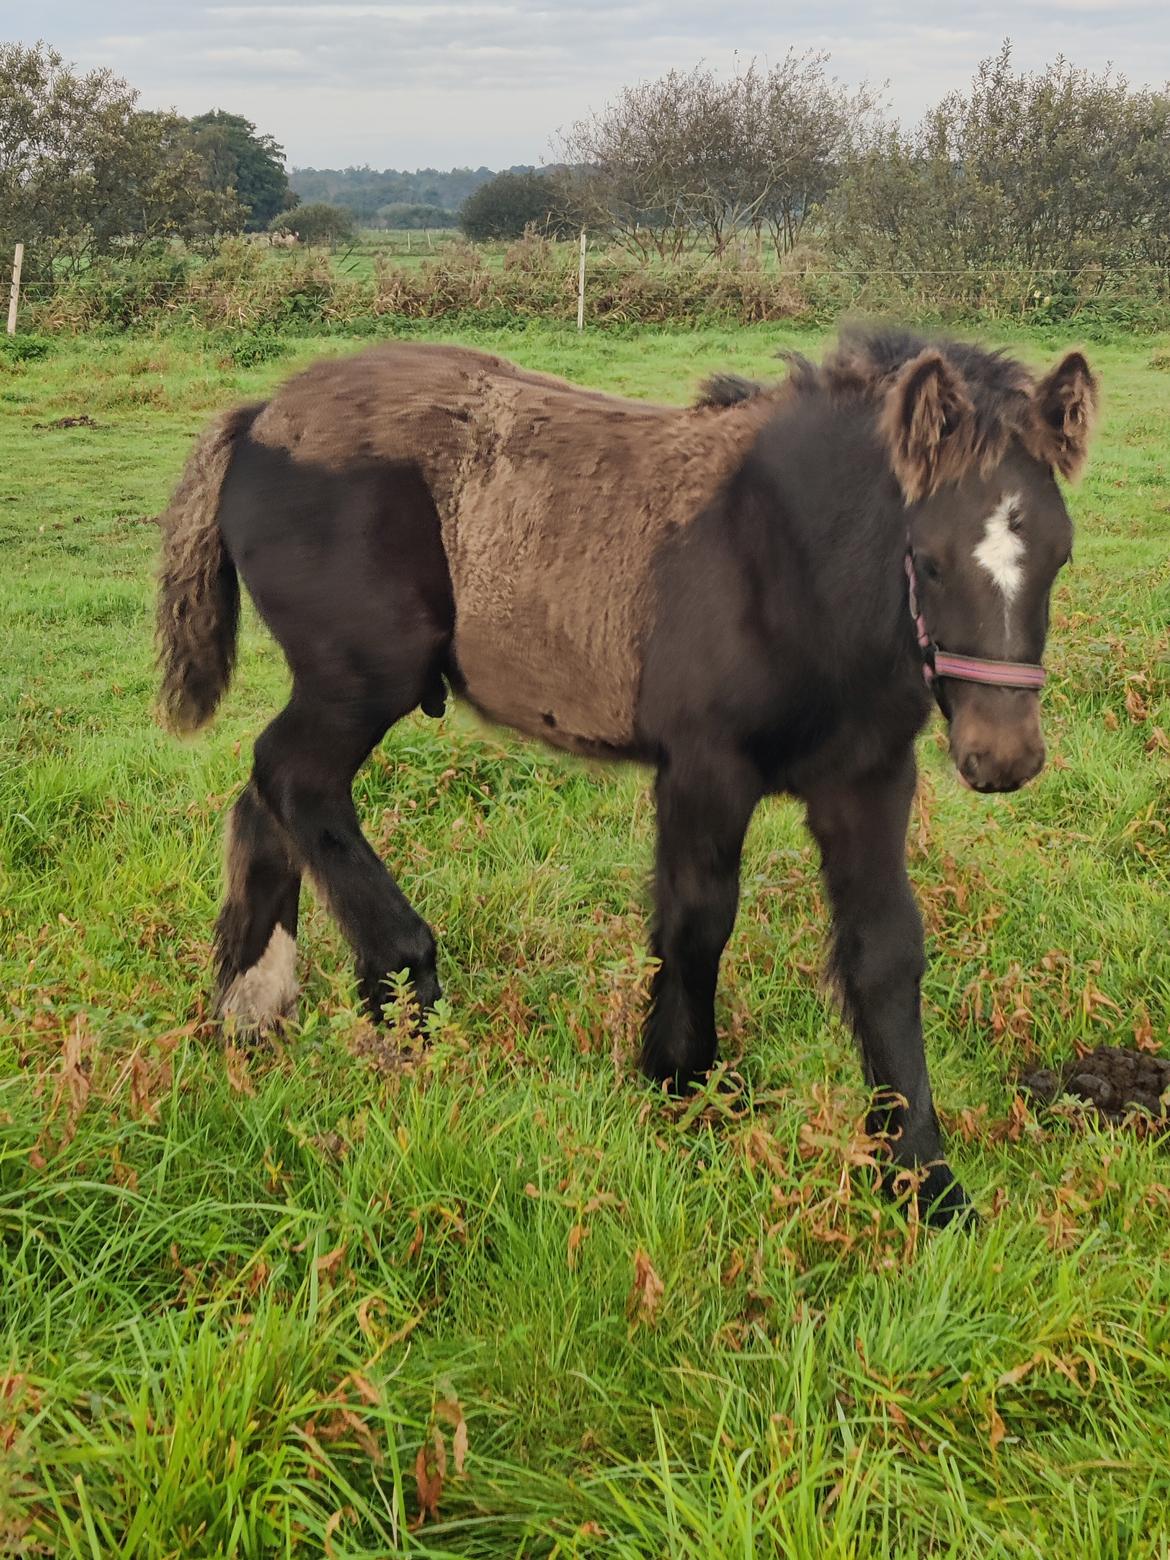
<point x="198" y="592"/>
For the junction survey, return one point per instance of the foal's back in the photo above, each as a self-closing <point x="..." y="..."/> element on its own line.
<point x="552" y="503"/>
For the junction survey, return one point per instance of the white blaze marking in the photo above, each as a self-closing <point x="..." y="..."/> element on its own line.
<point x="1001" y="552"/>
<point x="268" y="990"/>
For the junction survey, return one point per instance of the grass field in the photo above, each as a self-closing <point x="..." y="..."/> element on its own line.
<point x="503" y="1300"/>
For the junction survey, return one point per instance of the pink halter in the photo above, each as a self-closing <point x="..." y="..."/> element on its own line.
<point x="966" y="668"/>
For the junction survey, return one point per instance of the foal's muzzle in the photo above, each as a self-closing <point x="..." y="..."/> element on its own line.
<point x="996" y="741"/>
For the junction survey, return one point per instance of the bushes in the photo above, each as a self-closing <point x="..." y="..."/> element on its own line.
<point x="24" y="349"/>
<point x="316" y="223"/>
<point x="245" y="290"/>
<point x="511" y="202"/>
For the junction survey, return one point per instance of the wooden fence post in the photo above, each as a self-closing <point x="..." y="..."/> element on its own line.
<point x="14" y="295"/>
<point x="581" y="285"/>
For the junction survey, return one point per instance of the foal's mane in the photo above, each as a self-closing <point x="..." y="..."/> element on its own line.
<point x="866" y="361"/>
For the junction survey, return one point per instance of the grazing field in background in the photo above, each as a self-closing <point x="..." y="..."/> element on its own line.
<point x="497" y="1298"/>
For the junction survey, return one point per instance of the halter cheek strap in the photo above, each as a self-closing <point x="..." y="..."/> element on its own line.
<point x="964" y="668"/>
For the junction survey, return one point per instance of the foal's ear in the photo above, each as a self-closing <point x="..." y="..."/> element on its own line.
<point x="1064" y="406"/>
<point x="928" y="423"/>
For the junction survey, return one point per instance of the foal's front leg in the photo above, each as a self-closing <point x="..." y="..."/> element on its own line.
<point x="879" y="961"/>
<point x="705" y="801"/>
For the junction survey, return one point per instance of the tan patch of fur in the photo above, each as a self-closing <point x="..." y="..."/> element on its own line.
<point x="260" y="996"/>
<point x="553" y="501"/>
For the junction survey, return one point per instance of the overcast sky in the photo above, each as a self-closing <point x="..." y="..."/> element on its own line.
<point x="447" y="82"/>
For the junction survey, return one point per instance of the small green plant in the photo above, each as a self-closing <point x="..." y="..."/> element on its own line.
<point x="255" y="347"/>
<point x="25" y="349"/>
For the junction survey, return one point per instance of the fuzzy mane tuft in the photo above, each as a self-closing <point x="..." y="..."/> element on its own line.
<point x="1002" y="397"/>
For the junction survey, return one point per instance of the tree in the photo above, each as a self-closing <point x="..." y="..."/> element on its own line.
<point x="316" y="222"/>
<point x="1061" y="171"/>
<point x="510" y="202"/>
<point x="82" y="173"/>
<point x="241" y="162"/>
<point x="694" y="156"/>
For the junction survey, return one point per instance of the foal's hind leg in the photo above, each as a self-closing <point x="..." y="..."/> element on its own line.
<point x="705" y="801"/>
<point x="306" y="761"/>
<point x="256" y="934"/>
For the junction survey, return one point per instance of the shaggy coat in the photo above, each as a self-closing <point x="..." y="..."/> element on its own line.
<point x="552" y="502"/>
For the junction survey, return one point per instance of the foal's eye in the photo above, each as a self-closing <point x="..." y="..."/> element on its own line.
<point x="930" y="569"/>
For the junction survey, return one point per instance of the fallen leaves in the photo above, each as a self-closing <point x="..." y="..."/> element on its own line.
<point x="451" y="1412"/>
<point x="236" y="1068"/>
<point x="996" y="1429"/>
<point x="646" y="1292"/>
<point x="17" y="1399"/>
<point x="576" y="1235"/>
<point x="326" y="1267"/>
<point x="430" y="1470"/>
<point x="430" y="1463"/>
<point x="73" y="1079"/>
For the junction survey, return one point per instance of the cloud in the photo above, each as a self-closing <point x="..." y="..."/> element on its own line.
<point x="403" y="83"/>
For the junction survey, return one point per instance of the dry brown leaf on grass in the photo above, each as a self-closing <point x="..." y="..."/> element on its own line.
<point x="327" y="1265"/>
<point x="996" y="1429"/>
<point x="1010" y="1378"/>
<point x="365" y="1314"/>
<point x="430" y="1470"/>
<point x="735" y="1266"/>
<point x="344" y="1421"/>
<point x="645" y="1292"/>
<point x="1136" y="706"/>
<point x="576" y="1235"/>
<point x="17" y="1399"/>
<point x="345" y="1514"/>
<point x="451" y="1411"/>
<point x="236" y="1067"/>
<point x="364" y="1388"/>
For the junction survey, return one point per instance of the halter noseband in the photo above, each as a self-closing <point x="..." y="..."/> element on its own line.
<point x="965" y="668"/>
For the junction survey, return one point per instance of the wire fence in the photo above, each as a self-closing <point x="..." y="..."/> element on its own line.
<point x="245" y="285"/>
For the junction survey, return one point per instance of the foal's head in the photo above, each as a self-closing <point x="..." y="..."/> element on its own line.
<point x="975" y="444"/>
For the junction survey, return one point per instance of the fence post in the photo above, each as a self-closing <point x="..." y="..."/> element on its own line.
<point x="581" y="285"/>
<point x="14" y="295"/>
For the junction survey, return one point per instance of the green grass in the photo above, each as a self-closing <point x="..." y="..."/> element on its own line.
<point x="240" y="1296"/>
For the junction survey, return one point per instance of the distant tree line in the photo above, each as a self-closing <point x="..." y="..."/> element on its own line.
<point x="366" y="192"/>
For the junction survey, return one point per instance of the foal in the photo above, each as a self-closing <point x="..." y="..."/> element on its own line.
<point x="760" y="594"/>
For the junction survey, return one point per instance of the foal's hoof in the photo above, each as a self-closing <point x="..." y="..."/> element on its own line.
<point x="679" y="1080"/>
<point x="672" y="1054"/>
<point x="942" y="1201"/>
<point x="263" y="997"/>
<point x="387" y="1005"/>
<point x="427" y="991"/>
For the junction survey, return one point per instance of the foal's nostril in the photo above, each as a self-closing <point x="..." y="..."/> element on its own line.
<point x="970" y="767"/>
